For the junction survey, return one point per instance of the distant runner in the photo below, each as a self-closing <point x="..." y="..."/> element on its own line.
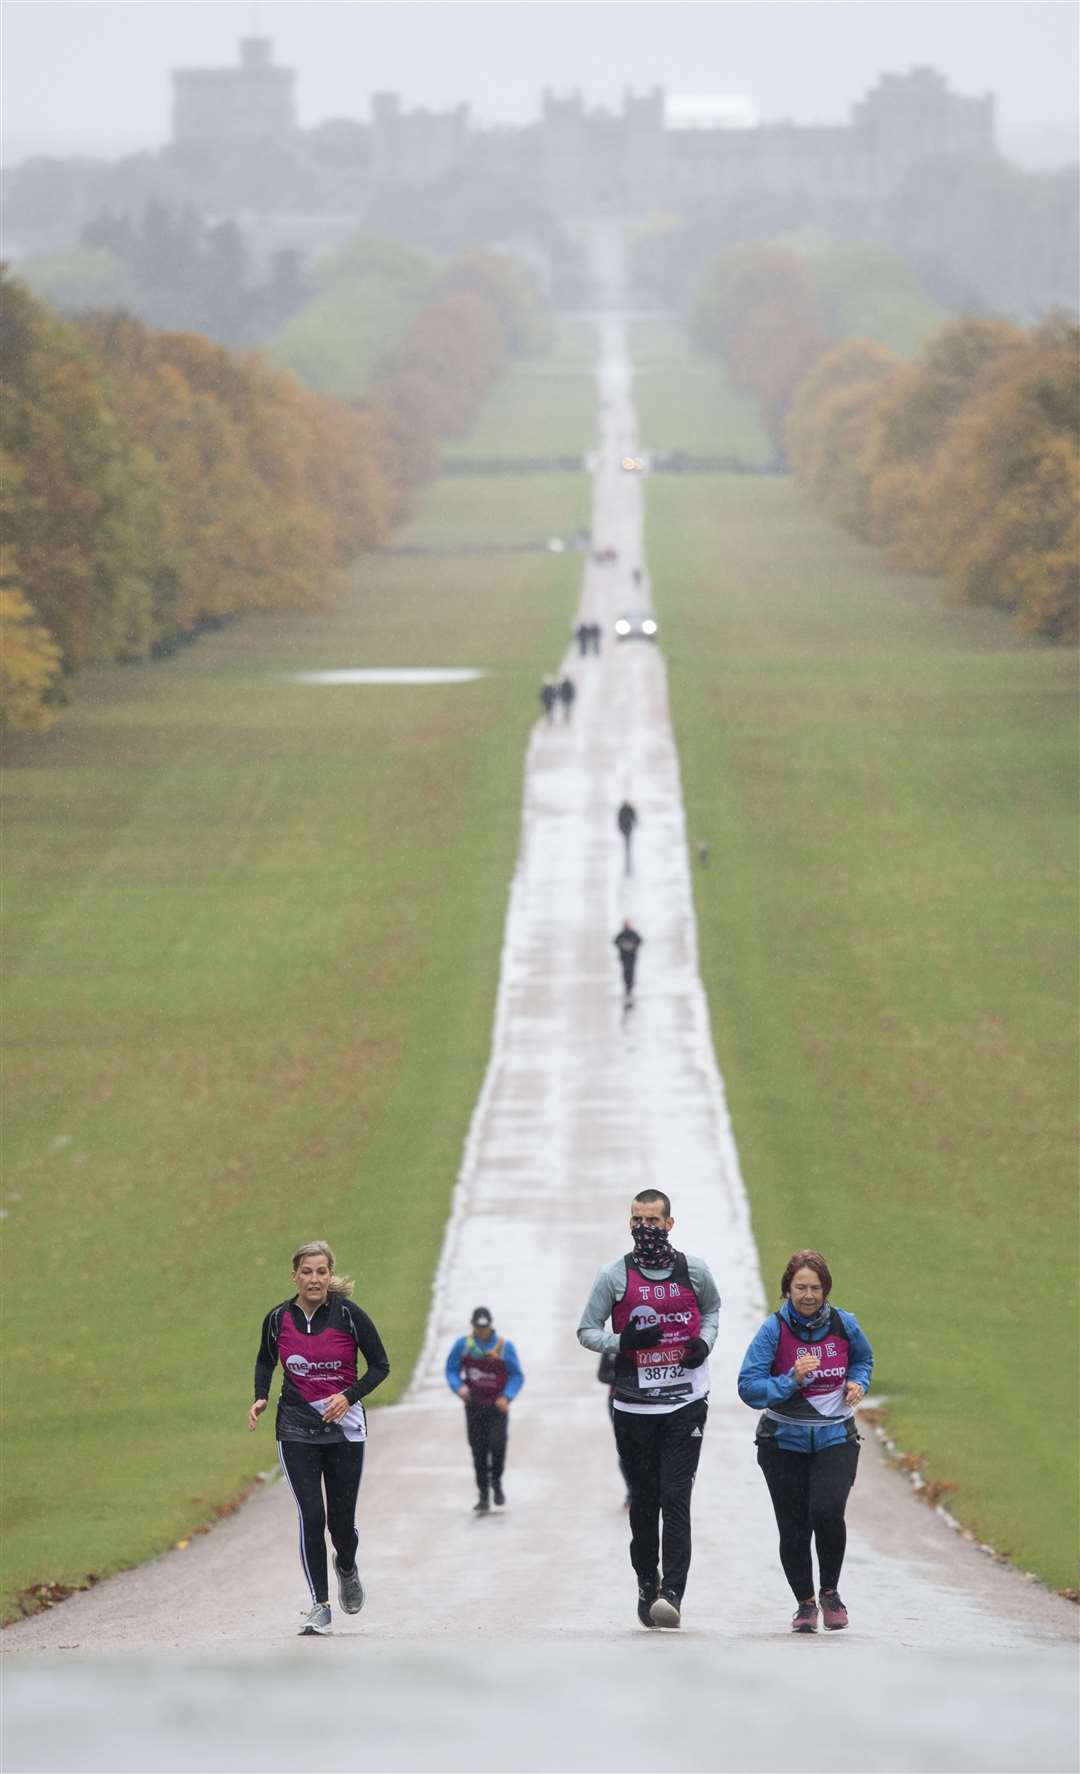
<point x="628" y="942"/>
<point x="549" y="696"/>
<point x="321" y="1424"/>
<point x="626" y="819"/>
<point x="807" y="1368"/>
<point x="484" y="1371"/>
<point x="664" y="1310"/>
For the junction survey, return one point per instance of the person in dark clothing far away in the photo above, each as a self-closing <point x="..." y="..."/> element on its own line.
<point x="549" y="695"/>
<point x="626" y="819"/>
<point x="483" y="1369"/>
<point x="806" y="1370"/>
<point x="664" y="1310"/>
<point x="582" y="635"/>
<point x="321" y="1425"/>
<point x="567" y="692"/>
<point x="594" y="637"/>
<point x="628" y="943"/>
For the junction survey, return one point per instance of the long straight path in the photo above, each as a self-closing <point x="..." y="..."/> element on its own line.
<point x="512" y="1642"/>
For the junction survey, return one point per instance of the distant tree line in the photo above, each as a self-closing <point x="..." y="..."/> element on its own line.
<point x="179" y="272"/>
<point x="155" y="484"/>
<point x="980" y="237"/>
<point x="964" y="462"/>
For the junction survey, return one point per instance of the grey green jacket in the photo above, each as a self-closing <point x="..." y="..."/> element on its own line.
<point x="610" y="1285"/>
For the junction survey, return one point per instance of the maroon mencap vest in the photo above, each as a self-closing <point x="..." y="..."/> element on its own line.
<point x="823" y="1396"/>
<point x="655" y="1377"/>
<point x="484" y="1371"/>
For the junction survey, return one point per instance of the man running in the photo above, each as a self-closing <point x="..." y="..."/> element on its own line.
<point x="628" y="942"/>
<point x="664" y="1310"/>
<point x="484" y="1371"/>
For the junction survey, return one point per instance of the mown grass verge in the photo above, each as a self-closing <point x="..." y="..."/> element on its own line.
<point x="253" y="932"/>
<point x="684" y="400"/>
<point x="889" y="946"/>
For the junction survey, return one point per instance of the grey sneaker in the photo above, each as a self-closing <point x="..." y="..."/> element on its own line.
<point x="665" y="1609"/>
<point x="317" y="1620"/>
<point x="349" y="1588"/>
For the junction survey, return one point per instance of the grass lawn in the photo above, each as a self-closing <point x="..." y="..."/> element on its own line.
<point x="546" y="406"/>
<point x="889" y="946"/>
<point x="684" y="399"/>
<point x="253" y="932"/>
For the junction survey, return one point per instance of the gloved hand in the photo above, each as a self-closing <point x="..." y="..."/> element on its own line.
<point x="697" y="1351"/>
<point x="646" y="1337"/>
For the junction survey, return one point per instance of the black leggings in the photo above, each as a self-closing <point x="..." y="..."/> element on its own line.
<point x="487" y="1428"/>
<point x="338" y="1465"/>
<point x="809" y="1495"/>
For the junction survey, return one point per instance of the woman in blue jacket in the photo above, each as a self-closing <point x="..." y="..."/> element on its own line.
<point x="806" y="1370"/>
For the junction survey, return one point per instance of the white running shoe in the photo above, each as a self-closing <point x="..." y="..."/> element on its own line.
<point x="665" y="1609"/>
<point x="317" y="1620"/>
<point x="350" y="1589"/>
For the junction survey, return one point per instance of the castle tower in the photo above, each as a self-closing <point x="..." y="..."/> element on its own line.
<point x="234" y="107"/>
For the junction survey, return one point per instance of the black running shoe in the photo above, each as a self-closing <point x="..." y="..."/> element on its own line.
<point x="498" y="1495"/>
<point x="646" y="1595"/>
<point x="481" y="1506"/>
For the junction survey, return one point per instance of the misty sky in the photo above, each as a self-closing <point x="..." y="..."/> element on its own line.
<point x="93" y="75"/>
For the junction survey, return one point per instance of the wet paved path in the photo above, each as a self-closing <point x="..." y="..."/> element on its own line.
<point x="512" y="1643"/>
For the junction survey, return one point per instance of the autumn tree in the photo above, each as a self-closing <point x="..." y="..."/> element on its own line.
<point x="29" y="663"/>
<point x="912" y="424"/>
<point x="1002" y="507"/>
<point x="758" y="309"/>
<point x="831" y="424"/>
<point x="83" y="514"/>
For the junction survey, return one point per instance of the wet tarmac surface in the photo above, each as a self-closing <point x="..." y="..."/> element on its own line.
<point x="511" y="1643"/>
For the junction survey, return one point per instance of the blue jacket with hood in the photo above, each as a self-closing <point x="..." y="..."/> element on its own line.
<point x="763" y="1390"/>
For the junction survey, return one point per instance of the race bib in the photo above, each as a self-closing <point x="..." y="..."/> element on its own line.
<point x="662" y="1369"/>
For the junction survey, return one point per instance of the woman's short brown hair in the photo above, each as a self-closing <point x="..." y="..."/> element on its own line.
<point x="806" y="1259"/>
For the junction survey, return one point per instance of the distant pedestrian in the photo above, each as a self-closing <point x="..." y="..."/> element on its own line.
<point x="626" y="819"/>
<point x="321" y="1427"/>
<point x="582" y="635"/>
<point x="483" y="1370"/>
<point x="567" y="692"/>
<point x="638" y="576"/>
<point x="549" y="695"/>
<point x="594" y="637"/>
<point x="664" y="1310"/>
<point x="806" y="1370"/>
<point x="628" y="943"/>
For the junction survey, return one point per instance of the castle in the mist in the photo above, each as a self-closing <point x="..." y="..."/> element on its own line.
<point x="654" y="153"/>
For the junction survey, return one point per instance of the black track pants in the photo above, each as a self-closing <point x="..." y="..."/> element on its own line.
<point x="613" y="1414"/>
<point x="487" y="1429"/>
<point x="337" y="1466"/>
<point x="628" y="962"/>
<point x="659" y="1454"/>
<point x="809" y="1495"/>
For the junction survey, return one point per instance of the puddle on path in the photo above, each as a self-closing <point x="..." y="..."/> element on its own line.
<point x="393" y="674"/>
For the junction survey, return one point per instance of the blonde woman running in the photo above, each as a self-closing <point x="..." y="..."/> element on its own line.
<point x="321" y="1425"/>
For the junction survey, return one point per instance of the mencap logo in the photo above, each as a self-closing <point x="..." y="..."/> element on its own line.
<point x="299" y="1365"/>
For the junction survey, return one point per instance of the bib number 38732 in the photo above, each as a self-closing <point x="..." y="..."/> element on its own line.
<point x="653" y="1372"/>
